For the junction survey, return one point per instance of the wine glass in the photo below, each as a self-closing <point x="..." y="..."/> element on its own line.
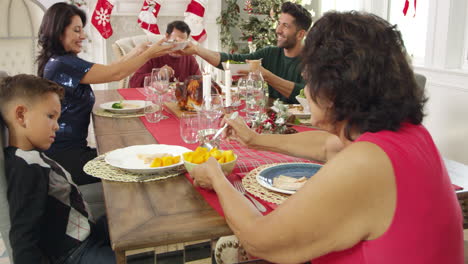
<point x="160" y="82"/>
<point x="242" y="89"/>
<point x="148" y="87"/>
<point x="212" y="109"/>
<point x="254" y="100"/>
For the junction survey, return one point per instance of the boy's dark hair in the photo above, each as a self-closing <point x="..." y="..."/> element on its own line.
<point x="302" y="17"/>
<point x="358" y="63"/>
<point x="26" y="86"/>
<point x="54" y="22"/>
<point x="179" y="25"/>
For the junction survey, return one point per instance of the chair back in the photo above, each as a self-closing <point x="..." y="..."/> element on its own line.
<point x="420" y="80"/>
<point x="4" y="208"/>
<point x="122" y="47"/>
<point x="463" y="200"/>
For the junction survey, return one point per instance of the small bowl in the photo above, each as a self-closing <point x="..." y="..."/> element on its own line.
<point x="304" y="103"/>
<point x="226" y="167"/>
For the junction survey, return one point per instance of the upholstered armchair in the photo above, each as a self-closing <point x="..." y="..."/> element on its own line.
<point x="123" y="46"/>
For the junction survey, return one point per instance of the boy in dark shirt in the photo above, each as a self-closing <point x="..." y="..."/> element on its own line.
<point x="50" y="221"/>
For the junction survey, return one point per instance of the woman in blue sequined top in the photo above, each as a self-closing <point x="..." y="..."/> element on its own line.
<point x="60" y="37"/>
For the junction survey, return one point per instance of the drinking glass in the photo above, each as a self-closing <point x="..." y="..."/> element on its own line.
<point x="148" y="88"/>
<point x="189" y="126"/>
<point x="242" y="89"/>
<point x="254" y="100"/>
<point x="212" y="109"/>
<point x="235" y="98"/>
<point x="160" y="83"/>
<point x="153" y="109"/>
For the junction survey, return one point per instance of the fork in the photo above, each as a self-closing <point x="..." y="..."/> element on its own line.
<point x="239" y="187"/>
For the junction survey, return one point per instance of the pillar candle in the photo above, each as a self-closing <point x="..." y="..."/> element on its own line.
<point x="207" y="90"/>
<point x="228" y="84"/>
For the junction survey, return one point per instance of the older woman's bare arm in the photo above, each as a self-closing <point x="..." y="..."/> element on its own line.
<point x="338" y="207"/>
<point x="315" y="145"/>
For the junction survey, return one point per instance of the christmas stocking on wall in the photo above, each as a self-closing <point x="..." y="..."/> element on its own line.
<point x="101" y="17"/>
<point x="194" y="16"/>
<point x="147" y="18"/>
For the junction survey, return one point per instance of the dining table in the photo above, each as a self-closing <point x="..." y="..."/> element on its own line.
<point x="171" y="211"/>
<point x="149" y="214"/>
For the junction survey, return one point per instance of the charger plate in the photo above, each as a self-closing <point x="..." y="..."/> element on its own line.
<point x="99" y="168"/>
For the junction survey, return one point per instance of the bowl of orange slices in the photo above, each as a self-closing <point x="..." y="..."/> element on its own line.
<point x="226" y="158"/>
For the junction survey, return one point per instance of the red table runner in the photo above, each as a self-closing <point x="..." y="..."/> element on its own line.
<point x="167" y="132"/>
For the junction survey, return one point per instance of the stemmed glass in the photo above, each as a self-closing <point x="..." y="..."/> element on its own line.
<point x="147" y="85"/>
<point x="254" y="99"/>
<point x="160" y="83"/>
<point x="212" y="109"/>
<point x="242" y="89"/>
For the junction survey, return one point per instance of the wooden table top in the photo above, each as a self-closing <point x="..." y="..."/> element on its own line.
<point x="150" y="214"/>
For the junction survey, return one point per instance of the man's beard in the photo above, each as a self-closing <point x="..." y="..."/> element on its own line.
<point x="287" y="43"/>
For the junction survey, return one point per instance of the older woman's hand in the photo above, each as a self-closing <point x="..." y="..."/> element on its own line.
<point x="239" y="131"/>
<point x="206" y="173"/>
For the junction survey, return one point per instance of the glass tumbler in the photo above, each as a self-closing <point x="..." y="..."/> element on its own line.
<point x="153" y="109"/>
<point x="189" y="126"/>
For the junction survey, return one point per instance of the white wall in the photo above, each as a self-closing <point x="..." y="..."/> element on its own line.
<point x="447" y="111"/>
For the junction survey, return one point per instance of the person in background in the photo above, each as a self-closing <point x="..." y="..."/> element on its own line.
<point x="383" y="195"/>
<point x="178" y="66"/>
<point x="60" y="37"/>
<point x="281" y="67"/>
<point x="49" y="219"/>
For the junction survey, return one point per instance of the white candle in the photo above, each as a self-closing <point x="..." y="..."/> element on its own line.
<point x="207" y="90"/>
<point x="228" y="84"/>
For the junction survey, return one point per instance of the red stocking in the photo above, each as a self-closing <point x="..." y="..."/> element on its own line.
<point x="194" y="18"/>
<point x="101" y="17"/>
<point x="148" y="15"/>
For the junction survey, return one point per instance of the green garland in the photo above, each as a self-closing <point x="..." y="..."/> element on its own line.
<point x="229" y="19"/>
<point x="260" y="25"/>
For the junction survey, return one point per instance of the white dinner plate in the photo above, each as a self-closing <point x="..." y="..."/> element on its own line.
<point x="297" y="170"/>
<point x="235" y="68"/>
<point x="178" y="45"/>
<point x="127" y="159"/>
<point x="129" y="106"/>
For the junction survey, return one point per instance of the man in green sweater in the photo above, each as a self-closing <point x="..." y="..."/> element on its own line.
<point x="281" y="64"/>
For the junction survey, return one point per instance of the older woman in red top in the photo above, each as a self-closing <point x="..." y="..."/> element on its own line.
<point x="383" y="195"/>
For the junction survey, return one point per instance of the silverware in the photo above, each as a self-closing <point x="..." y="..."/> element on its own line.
<point x="209" y="144"/>
<point x="239" y="187"/>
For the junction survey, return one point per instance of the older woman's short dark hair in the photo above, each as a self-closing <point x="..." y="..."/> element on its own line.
<point x="358" y="63"/>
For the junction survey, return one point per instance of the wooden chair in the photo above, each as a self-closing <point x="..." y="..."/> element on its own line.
<point x="463" y="200"/>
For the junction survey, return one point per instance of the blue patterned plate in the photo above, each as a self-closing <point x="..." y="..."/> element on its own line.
<point x="297" y="170"/>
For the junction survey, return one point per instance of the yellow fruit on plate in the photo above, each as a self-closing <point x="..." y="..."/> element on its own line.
<point x="165" y="161"/>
